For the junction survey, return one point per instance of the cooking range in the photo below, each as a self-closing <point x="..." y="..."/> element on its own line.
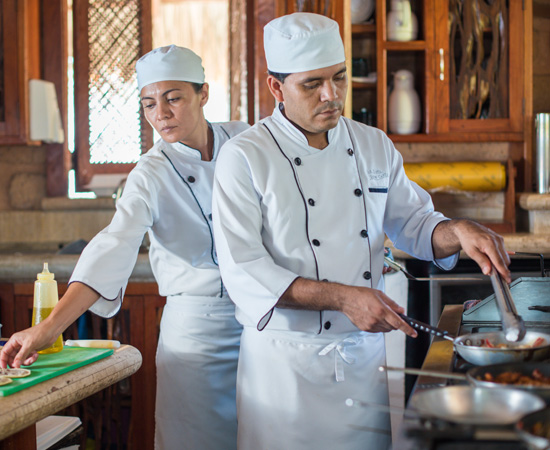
<point x="531" y="296"/>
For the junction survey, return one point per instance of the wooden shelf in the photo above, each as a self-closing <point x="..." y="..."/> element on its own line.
<point x="361" y="85"/>
<point x="363" y="28"/>
<point x="404" y="46"/>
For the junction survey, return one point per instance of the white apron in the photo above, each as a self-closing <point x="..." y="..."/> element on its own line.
<point x="196" y="365"/>
<point x="305" y="380"/>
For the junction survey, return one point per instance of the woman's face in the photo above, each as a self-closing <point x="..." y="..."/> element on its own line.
<point x="174" y="109"/>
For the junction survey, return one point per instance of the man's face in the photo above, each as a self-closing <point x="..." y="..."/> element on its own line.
<point x="314" y="100"/>
<point x="174" y="109"/>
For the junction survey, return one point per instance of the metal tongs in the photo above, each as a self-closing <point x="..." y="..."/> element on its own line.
<point x="512" y="323"/>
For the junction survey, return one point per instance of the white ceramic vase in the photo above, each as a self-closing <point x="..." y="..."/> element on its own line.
<point x="361" y="10"/>
<point x="404" y="116"/>
<point x="401" y="22"/>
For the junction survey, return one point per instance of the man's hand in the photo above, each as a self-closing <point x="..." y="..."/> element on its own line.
<point x="481" y="244"/>
<point x="369" y="309"/>
<point x="372" y="310"/>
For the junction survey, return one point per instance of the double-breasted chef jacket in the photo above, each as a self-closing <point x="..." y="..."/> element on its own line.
<point x="283" y="210"/>
<point x="169" y="196"/>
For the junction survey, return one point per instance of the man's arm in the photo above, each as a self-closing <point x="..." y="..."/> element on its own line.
<point x="369" y="309"/>
<point x="481" y="244"/>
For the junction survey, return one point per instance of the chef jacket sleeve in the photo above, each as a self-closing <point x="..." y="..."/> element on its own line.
<point x="252" y="278"/>
<point x="108" y="260"/>
<point x="410" y="219"/>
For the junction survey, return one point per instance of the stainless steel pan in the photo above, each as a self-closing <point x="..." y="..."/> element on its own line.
<point x="470" y="346"/>
<point x="475" y="405"/>
<point x="529" y="430"/>
<point x="467" y="405"/>
<point x="476" y="376"/>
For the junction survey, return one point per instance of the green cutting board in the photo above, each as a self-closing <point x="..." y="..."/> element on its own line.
<point x="54" y="364"/>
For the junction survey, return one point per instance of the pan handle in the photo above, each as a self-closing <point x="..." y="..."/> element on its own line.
<point x="427" y="373"/>
<point x="427" y="328"/>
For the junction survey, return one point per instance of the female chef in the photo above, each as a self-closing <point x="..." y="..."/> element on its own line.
<point x="168" y="195"/>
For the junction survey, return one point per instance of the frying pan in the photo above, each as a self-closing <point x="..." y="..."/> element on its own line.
<point x="524" y="428"/>
<point x="473" y="405"/>
<point x="468" y="405"/>
<point x="475" y="375"/>
<point x="469" y="346"/>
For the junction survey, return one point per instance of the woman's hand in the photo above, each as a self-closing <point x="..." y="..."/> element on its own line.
<point x="22" y="347"/>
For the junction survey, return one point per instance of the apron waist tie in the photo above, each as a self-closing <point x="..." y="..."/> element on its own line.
<point x="340" y="354"/>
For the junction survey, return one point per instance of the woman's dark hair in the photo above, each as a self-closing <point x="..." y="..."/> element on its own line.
<point x="197" y="86"/>
<point x="279" y="76"/>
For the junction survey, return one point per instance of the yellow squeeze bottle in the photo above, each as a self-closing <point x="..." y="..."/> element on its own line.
<point x="45" y="299"/>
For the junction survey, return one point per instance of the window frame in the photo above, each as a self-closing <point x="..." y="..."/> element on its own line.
<point x="60" y="160"/>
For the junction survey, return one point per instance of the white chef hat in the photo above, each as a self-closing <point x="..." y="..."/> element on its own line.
<point x="300" y="42"/>
<point x="170" y="63"/>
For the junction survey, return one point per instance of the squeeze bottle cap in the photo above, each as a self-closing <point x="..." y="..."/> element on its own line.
<point x="45" y="274"/>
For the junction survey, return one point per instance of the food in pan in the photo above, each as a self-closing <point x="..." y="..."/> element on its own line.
<point x="486" y="343"/>
<point x="4" y="380"/>
<point x="15" y="373"/>
<point x="517" y="378"/>
<point x="540" y="429"/>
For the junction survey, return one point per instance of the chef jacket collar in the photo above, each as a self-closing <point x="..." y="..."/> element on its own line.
<point x="193" y="152"/>
<point x="295" y="131"/>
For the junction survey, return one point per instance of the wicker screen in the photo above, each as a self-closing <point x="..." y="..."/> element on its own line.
<point x="114" y="109"/>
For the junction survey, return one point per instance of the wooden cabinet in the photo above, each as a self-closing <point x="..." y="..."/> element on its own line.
<point x="468" y="67"/>
<point x="464" y="51"/>
<point x="19" y="62"/>
<point x="479" y="77"/>
<point x="121" y="416"/>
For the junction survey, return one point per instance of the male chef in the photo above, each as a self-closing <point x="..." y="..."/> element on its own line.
<point x="302" y="202"/>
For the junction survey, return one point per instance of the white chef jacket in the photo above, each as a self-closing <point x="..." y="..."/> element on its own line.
<point x="283" y="209"/>
<point x="169" y="195"/>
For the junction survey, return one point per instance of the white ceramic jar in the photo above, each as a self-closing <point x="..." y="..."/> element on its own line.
<point x="401" y="22"/>
<point x="361" y="10"/>
<point x="404" y="115"/>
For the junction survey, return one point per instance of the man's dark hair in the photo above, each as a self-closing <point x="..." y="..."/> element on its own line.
<point x="197" y="86"/>
<point x="279" y="76"/>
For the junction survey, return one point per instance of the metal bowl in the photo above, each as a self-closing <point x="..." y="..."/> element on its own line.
<point x="524" y="428"/>
<point x="476" y="405"/>
<point x="474" y="374"/>
<point x="469" y="347"/>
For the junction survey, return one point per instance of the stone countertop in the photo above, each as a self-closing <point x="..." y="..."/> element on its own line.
<point x="530" y="201"/>
<point x="23" y="267"/>
<point x="515" y="242"/>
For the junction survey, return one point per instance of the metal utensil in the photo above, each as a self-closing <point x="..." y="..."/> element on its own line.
<point x="396" y="266"/>
<point x="512" y="323"/>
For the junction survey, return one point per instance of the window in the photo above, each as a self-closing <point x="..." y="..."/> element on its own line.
<point x="96" y="48"/>
<point x="108" y="37"/>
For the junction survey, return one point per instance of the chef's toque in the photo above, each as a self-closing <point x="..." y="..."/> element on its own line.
<point x="301" y="42"/>
<point x="170" y="63"/>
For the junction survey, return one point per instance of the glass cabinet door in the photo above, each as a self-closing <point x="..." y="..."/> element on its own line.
<point x="479" y="70"/>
